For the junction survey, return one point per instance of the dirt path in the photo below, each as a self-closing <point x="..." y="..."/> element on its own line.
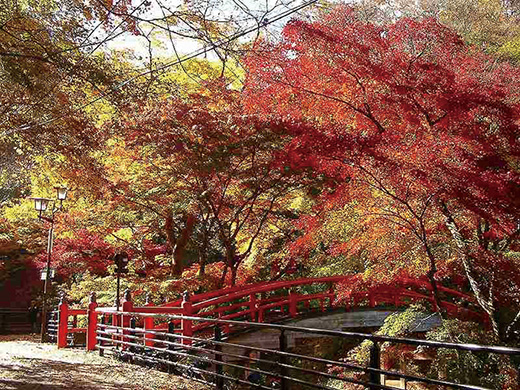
<point x="27" y="365"/>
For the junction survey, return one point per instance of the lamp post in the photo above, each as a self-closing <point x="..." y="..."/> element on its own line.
<point x="41" y="205"/>
<point x="121" y="260"/>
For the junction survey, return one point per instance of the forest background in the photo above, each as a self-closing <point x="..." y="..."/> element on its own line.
<point x="250" y="141"/>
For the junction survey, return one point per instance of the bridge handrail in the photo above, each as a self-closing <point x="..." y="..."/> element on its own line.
<point x="325" y="332"/>
<point x="135" y="341"/>
<point x="265" y="287"/>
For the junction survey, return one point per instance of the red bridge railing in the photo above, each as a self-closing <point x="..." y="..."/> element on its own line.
<point x="263" y="302"/>
<point x="66" y="325"/>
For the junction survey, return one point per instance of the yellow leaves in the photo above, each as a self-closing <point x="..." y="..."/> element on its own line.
<point x="23" y="210"/>
<point x="511" y="49"/>
<point x="125" y="234"/>
<point x="88" y="14"/>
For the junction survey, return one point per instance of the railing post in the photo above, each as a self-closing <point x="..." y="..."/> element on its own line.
<point x="115" y="317"/>
<point x="171" y="339"/>
<point x="133" y="324"/>
<point x="252" y="306"/>
<point x="260" y="312"/>
<point x="128" y="306"/>
<point x="101" y="342"/>
<point x="148" y="324"/>
<point x="293" y="309"/>
<point x="332" y="296"/>
<point x="92" y="323"/>
<point x="186" y="325"/>
<point x="375" y="362"/>
<point x="283" y="370"/>
<point x="219" y="382"/>
<point x="63" y="322"/>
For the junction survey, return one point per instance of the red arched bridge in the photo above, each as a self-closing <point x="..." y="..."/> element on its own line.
<point x="274" y="301"/>
<point x="192" y="336"/>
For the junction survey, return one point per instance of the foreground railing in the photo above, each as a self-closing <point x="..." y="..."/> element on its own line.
<point x="52" y="326"/>
<point x="212" y="359"/>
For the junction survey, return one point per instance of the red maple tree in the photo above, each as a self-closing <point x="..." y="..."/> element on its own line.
<point x="414" y="124"/>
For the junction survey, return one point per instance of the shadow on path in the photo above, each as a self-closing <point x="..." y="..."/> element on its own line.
<point x="26" y="365"/>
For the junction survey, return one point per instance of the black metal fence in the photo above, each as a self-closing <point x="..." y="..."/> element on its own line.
<point x="52" y="326"/>
<point x="13" y="320"/>
<point x="214" y="360"/>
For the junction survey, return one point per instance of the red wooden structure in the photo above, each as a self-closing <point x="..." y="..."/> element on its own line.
<point x="65" y="326"/>
<point x="262" y="302"/>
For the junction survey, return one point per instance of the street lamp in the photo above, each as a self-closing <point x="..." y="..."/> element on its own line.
<point x="121" y="260"/>
<point x="41" y="205"/>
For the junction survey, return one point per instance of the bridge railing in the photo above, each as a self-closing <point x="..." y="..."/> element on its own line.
<point x="214" y="360"/>
<point x="269" y="302"/>
<point x="250" y="301"/>
<point x="63" y="326"/>
<point x="52" y="325"/>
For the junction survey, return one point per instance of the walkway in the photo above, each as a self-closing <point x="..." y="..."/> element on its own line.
<point x="27" y="365"/>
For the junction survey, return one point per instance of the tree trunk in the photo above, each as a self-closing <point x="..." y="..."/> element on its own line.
<point x="223" y="277"/>
<point x="178" y="244"/>
<point x="234" y="275"/>
<point x="203" y="256"/>
<point x="431" y="275"/>
<point x="487" y="304"/>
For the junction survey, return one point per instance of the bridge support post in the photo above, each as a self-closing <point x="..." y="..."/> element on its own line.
<point x="133" y="325"/>
<point x="219" y="380"/>
<point x="171" y="339"/>
<point x="252" y="306"/>
<point x="63" y="322"/>
<point x="148" y="324"/>
<point x="332" y="296"/>
<point x="186" y="325"/>
<point x="103" y="322"/>
<point x="260" y="312"/>
<point x="375" y="363"/>
<point x="283" y="370"/>
<point x="92" y="323"/>
<point x="293" y="309"/>
<point x="128" y="306"/>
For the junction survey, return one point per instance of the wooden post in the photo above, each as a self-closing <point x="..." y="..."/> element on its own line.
<point x="375" y="362"/>
<point x="219" y="382"/>
<point x="63" y="322"/>
<point x="148" y="324"/>
<point x="186" y="325"/>
<point x="293" y="309"/>
<point x="172" y="339"/>
<point x="252" y="306"/>
<point x="260" y="313"/>
<point x="128" y="306"/>
<point x="332" y="295"/>
<point x="101" y="342"/>
<point x="115" y="317"/>
<point x="92" y="323"/>
<point x="283" y="370"/>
